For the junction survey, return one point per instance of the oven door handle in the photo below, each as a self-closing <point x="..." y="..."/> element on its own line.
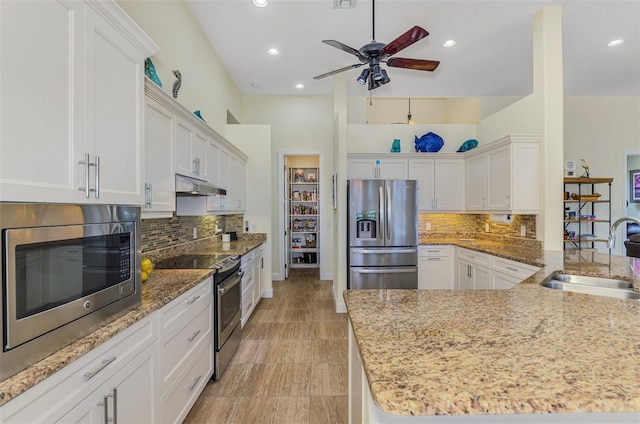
<point x="229" y="284"/>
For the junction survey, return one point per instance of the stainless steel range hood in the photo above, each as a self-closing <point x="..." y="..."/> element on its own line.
<point x="187" y="186"/>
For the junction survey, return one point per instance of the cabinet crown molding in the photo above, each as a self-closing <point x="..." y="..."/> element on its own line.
<point x="152" y="91"/>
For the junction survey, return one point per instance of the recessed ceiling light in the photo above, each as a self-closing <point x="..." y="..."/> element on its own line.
<point x="255" y="85"/>
<point x="273" y="51"/>
<point x="449" y="43"/>
<point x="615" y="42"/>
<point x="299" y="85"/>
<point x="261" y="3"/>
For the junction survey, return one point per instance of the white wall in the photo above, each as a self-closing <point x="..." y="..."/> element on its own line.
<point x="299" y="125"/>
<point x="255" y="141"/>
<point x="378" y="138"/>
<point x="600" y="130"/>
<point x="206" y="84"/>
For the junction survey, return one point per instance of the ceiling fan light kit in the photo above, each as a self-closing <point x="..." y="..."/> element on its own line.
<point x="375" y="53"/>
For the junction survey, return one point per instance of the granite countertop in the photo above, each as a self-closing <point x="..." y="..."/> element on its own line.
<point x="528" y="349"/>
<point x="162" y="287"/>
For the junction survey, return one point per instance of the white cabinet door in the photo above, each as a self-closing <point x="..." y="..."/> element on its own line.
<point x="499" y="179"/>
<point x="393" y="169"/>
<point x="361" y="169"/>
<point x="237" y="184"/>
<point x="434" y="273"/>
<point x="449" y="184"/>
<point x="423" y="170"/>
<point x="159" y="180"/>
<point x="39" y="135"/>
<point x="380" y="168"/>
<point x="481" y="277"/>
<point x="213" y="163"/>
<point x="476" y="182"/>
<point x="464" y="279"/>
<point x="114" y="101"/>
<point x="503" y="281"/>
<point x="190" y="151"/>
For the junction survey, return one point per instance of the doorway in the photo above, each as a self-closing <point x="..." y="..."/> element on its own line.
<point x="630" y="195"/>
<point x="301" y="205"/>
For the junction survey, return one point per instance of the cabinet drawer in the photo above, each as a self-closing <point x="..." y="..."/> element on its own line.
<point x="474" y="257"/>
<point x="176" y="348"/>
<point x="183" y="308"/>
<point x="513" y="268"/>
<point x="61" y="392"/>
<point x="178" y="400"/>
<point x="437" y="251"/>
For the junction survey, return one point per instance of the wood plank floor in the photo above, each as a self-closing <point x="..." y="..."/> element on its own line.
<point x="291" y="366"/>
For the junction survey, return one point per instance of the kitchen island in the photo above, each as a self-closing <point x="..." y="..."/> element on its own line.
<point x="513" y="355"/>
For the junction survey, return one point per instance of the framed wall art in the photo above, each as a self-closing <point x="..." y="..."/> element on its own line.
<point x="634" y="184"/>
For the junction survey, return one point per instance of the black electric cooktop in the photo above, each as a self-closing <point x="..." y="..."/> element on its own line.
<point x="192" y="262"/>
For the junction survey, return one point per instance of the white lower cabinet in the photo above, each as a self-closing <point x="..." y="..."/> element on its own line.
<point x="248" y="285"/>
<point x="435" y="267"/>
<point x="475" y="270"/>
<point x="151" y="372"/>
<point x="125" y="363"/>
<point x="185" y="351"/>
<point x="127" y="397"/>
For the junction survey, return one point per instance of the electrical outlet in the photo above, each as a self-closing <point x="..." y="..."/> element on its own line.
<point x="427" y="226"/>
<point x="486" y="227"/>
<point x="195" y="232"/>
<point x="523" y="231"/>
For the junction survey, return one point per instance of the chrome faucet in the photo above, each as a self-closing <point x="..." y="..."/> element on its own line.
<point x="611" y="242"/>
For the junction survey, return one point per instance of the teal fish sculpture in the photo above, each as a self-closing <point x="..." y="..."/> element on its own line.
<point x="197" y="113"/>
<point x="150" y="72"/>
<point x="429" y="142"/>
<point x="468" y="145"/>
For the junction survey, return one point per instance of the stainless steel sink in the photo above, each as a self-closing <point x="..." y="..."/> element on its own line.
<point x="591" y="285"/>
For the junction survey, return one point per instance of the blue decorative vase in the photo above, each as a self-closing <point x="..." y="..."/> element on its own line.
<point x="468" y="145"/>
<point x="150" y="72"/>
<point x="430" y="142"/>
<point x="395" y="146"/>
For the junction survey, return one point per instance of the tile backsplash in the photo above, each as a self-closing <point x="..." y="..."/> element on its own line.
<point x="470" y="223"/>
<point x="167" y="232"/>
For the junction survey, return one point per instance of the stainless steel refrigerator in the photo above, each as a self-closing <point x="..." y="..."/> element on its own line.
<point x="383" y="234"/>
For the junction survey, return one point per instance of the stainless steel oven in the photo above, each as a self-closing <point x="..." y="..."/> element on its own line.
<point x="228" y="313"/>
<point x="66" y="271"/>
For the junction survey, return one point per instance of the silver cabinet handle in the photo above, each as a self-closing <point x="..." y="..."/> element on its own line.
<point x="193" y="336"/>
<point x="97" y="164"/>
<point x="105" y="362"/>
<point x="508" y="201"/>
<point x="512" y="269"/>
<point x="434" y="259"/>
<point x="193" y="300"/>
<point x="436" y="203"/>
<point x="150" y="194"/>
<point x="105" y="405"/>
<point x="147" y="195"/>
<point x="195" y="165"/>
<point x="85" y="162"/>
<point x="195" y="383"/>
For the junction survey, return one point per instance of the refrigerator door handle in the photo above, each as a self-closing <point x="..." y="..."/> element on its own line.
<point x="380" y="209"/>
<point x="384" y="270"/>
<point x="389" y="213"/>
<point x="383" y="251"/>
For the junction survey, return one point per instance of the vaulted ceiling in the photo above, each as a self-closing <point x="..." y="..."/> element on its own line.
<point x="492" y="57"/>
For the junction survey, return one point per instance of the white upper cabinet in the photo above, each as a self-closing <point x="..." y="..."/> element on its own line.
<point x="79" y="139"/>
<point x="190" y="151"/>
<point x="440" y="183"/>
<point x="503" y="176"/>
<point x="368" y="167"/>
<point x="159" y="181"/>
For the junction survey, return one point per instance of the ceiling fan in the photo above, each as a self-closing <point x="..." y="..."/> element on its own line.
<point x="375" y="53"/>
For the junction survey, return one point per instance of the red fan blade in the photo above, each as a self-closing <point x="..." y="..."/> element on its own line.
<point x="417" y="64"/>
<point x="337" y="71"/>
<point x="345" y="48"/>
<point x="405" y="40"/>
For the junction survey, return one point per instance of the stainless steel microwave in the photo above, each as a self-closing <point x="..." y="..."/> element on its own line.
<point x="66" y="271"/>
